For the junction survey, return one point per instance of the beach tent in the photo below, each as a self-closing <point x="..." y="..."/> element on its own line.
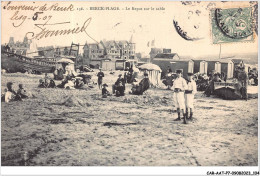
<point x="214" y="66"/>
<point x="200" y="66"/>
<point x="203" y="67"/>
<point x="227" y="67"/>
<point x="187" y="66"/>
<point x="65" y="60"/>
<point x="154" y="73"/>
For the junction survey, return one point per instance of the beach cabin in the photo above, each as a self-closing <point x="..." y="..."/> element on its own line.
<point x="200" y="66"/>
<point x="120" y="64"/>
<point x="187" y="66"/>
<point x="108" y="64"/>
<point x="214" y="65"/>
<point x="95" y="63"/>
<point x="227" y="67"/>
<point x="165" y="60"/>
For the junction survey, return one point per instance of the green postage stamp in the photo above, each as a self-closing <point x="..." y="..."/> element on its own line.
<point x="232" y="25"/>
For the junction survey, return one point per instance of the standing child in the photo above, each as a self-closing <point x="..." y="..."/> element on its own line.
<point x="174" y="98"/>
<point x="179" y="86"/>
<point x="189" y="95"/>
<point x="100" y="76"/>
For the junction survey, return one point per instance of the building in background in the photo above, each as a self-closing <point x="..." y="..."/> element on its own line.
<point x="19" y="47"/>
<point x="119" y="54"/>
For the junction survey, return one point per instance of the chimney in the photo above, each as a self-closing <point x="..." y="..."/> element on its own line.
<point x="166" y="51"/>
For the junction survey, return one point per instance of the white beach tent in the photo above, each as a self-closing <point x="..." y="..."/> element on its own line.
<point x="154" y="73"/>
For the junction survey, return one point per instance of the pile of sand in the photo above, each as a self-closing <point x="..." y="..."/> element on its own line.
<point x="146" y="100"/>
<point x="73" y="101"/>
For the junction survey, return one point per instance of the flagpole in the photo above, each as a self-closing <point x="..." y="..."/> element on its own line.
<point x="219" y="51"/>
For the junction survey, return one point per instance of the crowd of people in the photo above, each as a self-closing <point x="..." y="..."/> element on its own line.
<point x="183" y="89"/>
<point x="118" y="88"/>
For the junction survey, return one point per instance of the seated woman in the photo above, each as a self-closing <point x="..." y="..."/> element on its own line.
<point x="120" y="89"/>
<point x="64" y="81"/>
<point x="52" y="84"/>
<point x="105" y="92"/>
<point x="42" y="84"/>
<point x="119" y="85"/>
<point x="79" y="83"/>
<point x="10" y="94"/>
<point x="142" y="86"/>
<point x="21" y="92"/>
<point x="70" y="84"/>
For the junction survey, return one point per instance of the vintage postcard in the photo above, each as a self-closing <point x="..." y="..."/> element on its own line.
<point x="129" y="83"/>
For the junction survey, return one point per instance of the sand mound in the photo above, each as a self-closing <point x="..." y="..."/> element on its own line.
<point x="146" y="100"/>
<point x="74" y="101"/>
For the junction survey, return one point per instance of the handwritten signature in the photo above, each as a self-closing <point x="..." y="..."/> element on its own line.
<point x="45" y="29"/>
<point x="46" y="32"/>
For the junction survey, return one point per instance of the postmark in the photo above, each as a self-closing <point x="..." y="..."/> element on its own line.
<point x="232" y="25"/>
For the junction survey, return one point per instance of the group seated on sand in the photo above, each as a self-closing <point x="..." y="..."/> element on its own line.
<point x="119" y="87"/>
<point x="69" y="82"/>
<point x="10" y="94"/>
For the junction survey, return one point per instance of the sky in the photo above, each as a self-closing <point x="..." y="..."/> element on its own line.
<point x="143" y="25"/>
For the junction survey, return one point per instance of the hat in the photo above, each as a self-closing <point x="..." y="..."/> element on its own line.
<point x="178" y="71"/>
<point x="105" y="85"/>
<point x="79" y="77"/>
<point x="145" y="74"/>
<point x="190" y="74"/>
<point x="9" y="84"/>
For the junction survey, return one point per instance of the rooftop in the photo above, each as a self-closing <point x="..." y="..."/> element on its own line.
<point x="166" y="55"/>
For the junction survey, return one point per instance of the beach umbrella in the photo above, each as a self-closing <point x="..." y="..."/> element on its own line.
<point x="154" y="73"/>
<point x="65" y="60"/>
<point x="150" y="66"/>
